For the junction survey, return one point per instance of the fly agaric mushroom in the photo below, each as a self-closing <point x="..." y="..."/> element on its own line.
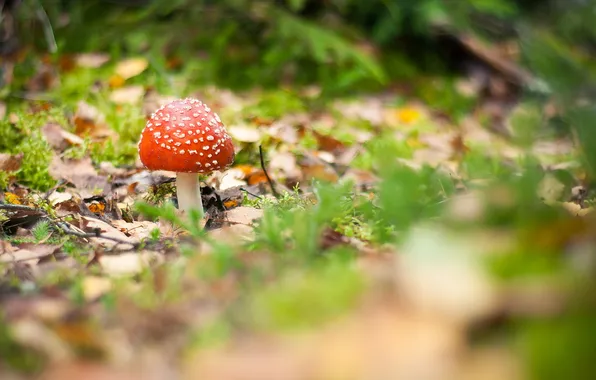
<point x="185" y="136"/>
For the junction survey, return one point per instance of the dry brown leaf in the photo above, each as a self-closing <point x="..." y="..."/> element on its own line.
<point x="285" y="164"/>
<point x="137" y="230"/>
<point x="9" y="162"/>
<point x="88" y="120"/>
<point x="284" y="132"/>
<point x="6" y="247"/>
<point x="58" y="138"/>
<point x="91" y="224"/>
<point x="314" y="167"/>
<point x="28" y="251"/>
<point x="128" y="263"/>
<point x="131" y="67"/>
<point x="243" y="215"/>
<point x="81" y="173"/>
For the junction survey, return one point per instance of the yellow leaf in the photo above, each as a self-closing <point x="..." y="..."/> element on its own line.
<point x="131" y="67"/>
<point x="12" y="198"/>
<point x="408" y="115"/>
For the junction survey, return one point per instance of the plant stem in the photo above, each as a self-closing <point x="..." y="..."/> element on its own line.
<point x="188" y="192"/>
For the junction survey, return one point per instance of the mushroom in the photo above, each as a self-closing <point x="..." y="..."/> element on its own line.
<point x="185" y="136"/>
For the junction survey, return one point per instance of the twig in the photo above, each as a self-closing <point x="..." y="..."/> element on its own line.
<point x="275" y="193"/>
<point x="249" y="193"/>
<point x="65" y="227"/>
<point x="13" y="207"/>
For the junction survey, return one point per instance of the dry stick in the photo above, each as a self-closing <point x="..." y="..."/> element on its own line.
<point x="249" y="193"/>
<point x="12" y="207"/>
<point x="275" y="193"/>
<point x="63" y="226"/>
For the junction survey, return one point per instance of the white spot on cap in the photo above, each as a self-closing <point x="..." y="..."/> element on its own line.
<point x="206" y="147"/>
<point x="187" y="142"/>
<point x="210" y="138"/>
<point x="207" y="165"/>
<point x="181" y="151"/>
<point x="196" y="141"/>
<point x="157" y="135"/>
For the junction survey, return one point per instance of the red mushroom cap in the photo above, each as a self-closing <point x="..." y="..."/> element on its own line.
<point x="185" y="136"/>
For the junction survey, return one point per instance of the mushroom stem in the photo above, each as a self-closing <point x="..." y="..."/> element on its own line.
<point x="188" y="192"/>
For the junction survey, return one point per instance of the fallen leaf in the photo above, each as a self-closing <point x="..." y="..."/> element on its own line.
<point x="58" y="138"/>
<point x="81" y="173"/>
<point x="243" y="215"/>
<point x="131" y="67"/>
<point x="10" y="163"/>
<point x="408" y="115"/>
<point x="284" y="163"/>
<point x="12" y="198"/>
<point x="137" y="230"/>
<point x="128" y="263"/>
<point x="88" y="120"/>
<point x="91" y="224"/>
<point x="29" y="251"/>
<point x="127" y="95"/>
<point x="244" y="133"/>
<point x="91" y="60"/>
<point x="232" y="178"/>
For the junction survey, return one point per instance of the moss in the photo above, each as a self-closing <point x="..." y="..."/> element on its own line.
<point x="36" y="161"/>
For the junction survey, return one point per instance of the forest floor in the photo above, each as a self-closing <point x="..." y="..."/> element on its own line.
<point x="373" y="236"/>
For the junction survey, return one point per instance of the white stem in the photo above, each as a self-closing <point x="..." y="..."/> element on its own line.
<point x="188" y="191"/>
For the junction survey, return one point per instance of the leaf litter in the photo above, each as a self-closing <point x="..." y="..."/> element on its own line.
<point x="412" y="312"/>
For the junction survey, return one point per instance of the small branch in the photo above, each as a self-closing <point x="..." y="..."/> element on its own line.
<point x="13" y="207"/>
<point x="65" y="227"/>
<point x="249" y="193"/>
<point x="273" y="190"/>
